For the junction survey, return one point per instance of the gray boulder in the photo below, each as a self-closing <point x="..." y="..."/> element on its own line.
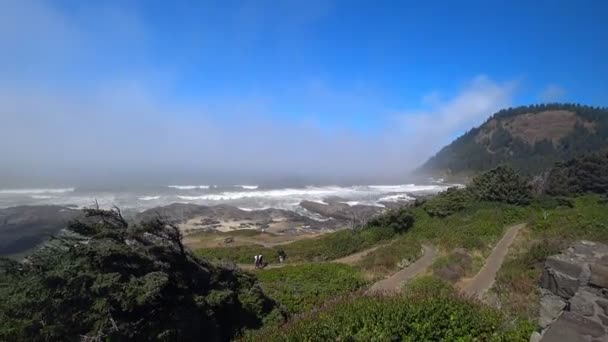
<point x="573" y="285"/>
<point x="559" y="283"/>
<point x="551" y="306"/>
<point x="582" y="303"/>
<point x="599" y="275"/>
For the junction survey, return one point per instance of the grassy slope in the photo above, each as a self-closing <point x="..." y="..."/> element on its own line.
<point x="428" y="310"/>
<point x="327" y="247"/>
<point x="476" y="228"/>
<point x="549" y="232"/>
<point x="301" y="288"/>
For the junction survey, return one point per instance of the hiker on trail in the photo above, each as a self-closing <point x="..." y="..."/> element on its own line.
<point x="257" y="260"/>
<point x="282" y="255"/>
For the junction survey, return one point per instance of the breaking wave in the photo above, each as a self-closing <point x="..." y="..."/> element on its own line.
<point x="148" y="198"/>
<point x="188" y="187"/>
<point x="35" y="191"/>
<point x="249" y="187"/>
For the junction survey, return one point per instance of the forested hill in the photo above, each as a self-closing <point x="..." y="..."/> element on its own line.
<point x="530" y="138"/>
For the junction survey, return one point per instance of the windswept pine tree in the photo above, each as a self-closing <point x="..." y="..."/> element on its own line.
<point x="107" y="280"/>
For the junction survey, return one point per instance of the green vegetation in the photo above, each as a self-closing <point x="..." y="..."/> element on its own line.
<point x="475" y="228"/>
<point x="453" y="266"/>
<point x="448" y="202"/>
<point x="302" y="288"/>
<point x="327" y="247"/>
<point x="108" y="280"/>
<point x="493" y="144"/>
<point x="517" y="280"/>
<point x="387" y="259"/>
<point x="428" y="310"/>
<point x="551" y="230"/>
<point x="587" y="219"/>
<point x="398" y="221"/>
<point x="585" y="174"/>
<point x="501" y="184"/>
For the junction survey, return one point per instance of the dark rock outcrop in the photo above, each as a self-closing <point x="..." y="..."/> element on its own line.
<point x="212" y="216"/>
<point x="573" y="303"/>
<point x="334" y="209"/>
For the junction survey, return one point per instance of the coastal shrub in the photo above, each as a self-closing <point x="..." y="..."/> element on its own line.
<point x="304" y="287"/>
<point x="427" y="311"/>
<point x="502" y="184"/>
<point x="448" y="202"/>
<point x="108" y="280"/>
<point x="585" y="174"/>
<point x="397" y="220"/>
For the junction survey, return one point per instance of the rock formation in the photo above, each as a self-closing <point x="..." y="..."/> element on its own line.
<point x="574" y="295"/>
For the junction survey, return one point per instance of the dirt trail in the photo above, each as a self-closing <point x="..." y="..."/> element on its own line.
<point x="483" y="280"/>
<point x="394" y="282"/>
<point x="350" y="259"/>
<point x="356" y="257"/>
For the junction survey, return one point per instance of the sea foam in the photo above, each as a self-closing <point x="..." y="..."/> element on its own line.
<point x="188" y="187"/>
<point x="35" y="191"/>
<point x="148" y="198"/>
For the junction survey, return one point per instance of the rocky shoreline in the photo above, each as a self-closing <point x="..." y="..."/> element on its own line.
<point x="25" y="227"/>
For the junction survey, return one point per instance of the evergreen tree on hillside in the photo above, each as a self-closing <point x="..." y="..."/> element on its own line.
<point x="585" y="174"/>
<point x="469" y="154"/>
<point x="108" y="280"/>
<point x="502" y="184"/>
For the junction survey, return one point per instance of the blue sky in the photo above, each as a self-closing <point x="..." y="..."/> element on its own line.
<point x="392" y="80"/>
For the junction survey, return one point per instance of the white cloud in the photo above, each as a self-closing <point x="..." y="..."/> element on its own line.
<point x="430" y="129"/>
<point x="130" y="126"/>
<point x="130" y="130"/>
<point x="552" y="93"/>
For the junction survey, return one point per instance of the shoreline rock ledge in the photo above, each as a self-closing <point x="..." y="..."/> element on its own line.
<point x="574" y="295"/>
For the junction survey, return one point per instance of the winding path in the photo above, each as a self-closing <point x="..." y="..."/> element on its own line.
<point x="483" y="280"/>
<point x="394" y="282"/>
<point x="350" y="259"/>
<point x="356" y="257"/>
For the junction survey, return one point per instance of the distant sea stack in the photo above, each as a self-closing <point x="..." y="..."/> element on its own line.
<point x="530" y="138"/>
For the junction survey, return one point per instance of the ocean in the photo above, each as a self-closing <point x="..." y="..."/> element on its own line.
<point x="244" y="196"/>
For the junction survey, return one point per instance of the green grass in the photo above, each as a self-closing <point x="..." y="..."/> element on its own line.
<point x="477" y="227"/>
<point x="428" y="310"/>
<point x="327" y="247"/>
<point x="388" y="259"/>
<point x="239" y="254"/>
<point x="587" y="219"/>
<point x="302" y="288"/>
